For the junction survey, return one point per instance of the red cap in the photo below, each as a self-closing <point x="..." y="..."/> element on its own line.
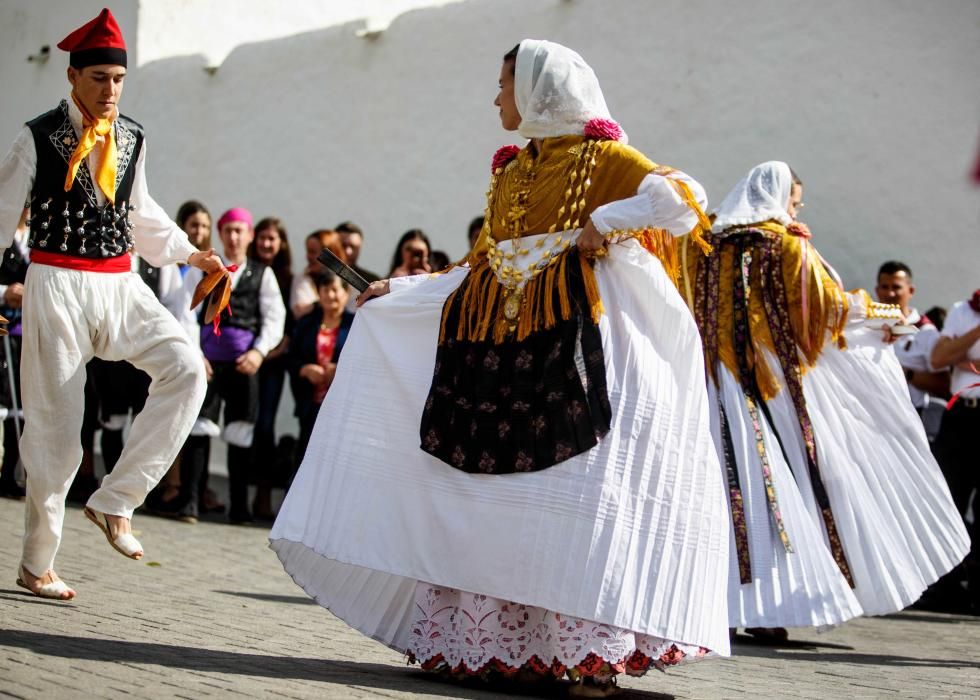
<point x="97" y="42"/>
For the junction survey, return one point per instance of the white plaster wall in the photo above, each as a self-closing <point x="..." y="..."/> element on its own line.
<point x="214" y="28"/>
<point x="30" y="88"/>
<point x="874" y="103"/>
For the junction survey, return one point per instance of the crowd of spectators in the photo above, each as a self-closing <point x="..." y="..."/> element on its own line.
<point x="940" y="362"/>
<point x="300" y="325"/>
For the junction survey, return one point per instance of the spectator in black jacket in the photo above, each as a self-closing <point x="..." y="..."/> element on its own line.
<point x="314" y="349"/>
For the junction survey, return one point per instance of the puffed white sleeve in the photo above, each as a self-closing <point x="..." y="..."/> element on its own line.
<point x="915" y="352"/>
<point x="157" y="238"/>
<point x="16" y="180"/>
<point x="659" y="202"/>
<point x="272" y="312"/>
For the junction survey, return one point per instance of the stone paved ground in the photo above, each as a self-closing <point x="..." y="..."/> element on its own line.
<point x="210" y="613"/>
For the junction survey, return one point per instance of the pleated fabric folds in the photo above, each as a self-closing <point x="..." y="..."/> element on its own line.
<point x="633" y="533"/>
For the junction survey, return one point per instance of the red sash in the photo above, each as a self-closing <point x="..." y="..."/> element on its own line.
<point x="120" y="263"/>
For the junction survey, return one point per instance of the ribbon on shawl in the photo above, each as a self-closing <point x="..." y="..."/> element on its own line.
<point x="750" y="389"/>
<point x="706" y="316"/>
<point x="765" y="248"/>
<point x="769" y="248"/>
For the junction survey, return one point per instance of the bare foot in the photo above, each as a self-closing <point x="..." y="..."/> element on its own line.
<point x="42" y="586"/>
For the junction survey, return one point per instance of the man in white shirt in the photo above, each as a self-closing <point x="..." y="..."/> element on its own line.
<point x="958" y="442"/>
<point x="80" y="168"/>
<point x="233" y="355"/>
<point x="928" y="388"/>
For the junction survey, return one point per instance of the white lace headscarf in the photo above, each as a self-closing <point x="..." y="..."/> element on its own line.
<point x="556" y="91"/>
<point x="761" y="195"/>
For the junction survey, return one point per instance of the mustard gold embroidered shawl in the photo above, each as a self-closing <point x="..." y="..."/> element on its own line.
<point x="816" y="305"/>
<point x="556" y="189"/>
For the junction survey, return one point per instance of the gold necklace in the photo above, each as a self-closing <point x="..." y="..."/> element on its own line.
<point x="510" y="275"/>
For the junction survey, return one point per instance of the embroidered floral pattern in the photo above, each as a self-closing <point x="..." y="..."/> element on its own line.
<point x="475" y="635"/>
<point x="563" y="451"/>
<point x="431" y="440"/>
<point x="459" y="456"/>
<point x="522" y="402"/>
<point x="740" y="331"/>
<point x="706" y="316"/>
<point x="487" y="462"/>
<point x="524" y="360"/>
<point x="775" y="302"/>
<point x="741" y="535"/>
<point x="524" y="462"/>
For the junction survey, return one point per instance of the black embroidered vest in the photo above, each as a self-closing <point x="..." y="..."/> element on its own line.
<point x="244" y="303"/>
<point x="73" y="222"/>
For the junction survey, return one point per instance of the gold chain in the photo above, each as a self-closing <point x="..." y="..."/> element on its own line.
<point x="515" y="219"/>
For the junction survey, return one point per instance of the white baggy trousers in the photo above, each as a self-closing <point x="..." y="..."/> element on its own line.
<point x="71" y="316"/>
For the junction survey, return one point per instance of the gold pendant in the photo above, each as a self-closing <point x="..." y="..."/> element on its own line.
<point x="512" y="304"/>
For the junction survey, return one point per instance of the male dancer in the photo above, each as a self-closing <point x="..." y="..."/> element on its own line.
<point x="81" y="169"/>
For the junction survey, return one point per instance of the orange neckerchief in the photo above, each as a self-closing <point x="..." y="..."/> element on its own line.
<point x="92" y="129"/>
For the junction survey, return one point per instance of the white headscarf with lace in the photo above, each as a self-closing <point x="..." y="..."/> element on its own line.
<point x="556" y="91"/>
<point x="761" y="195"/>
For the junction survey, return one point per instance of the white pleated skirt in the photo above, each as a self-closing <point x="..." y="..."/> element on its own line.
<point x="801" y="588"/>
<point x="894" y="514"/>
<point x="633" y="533"/>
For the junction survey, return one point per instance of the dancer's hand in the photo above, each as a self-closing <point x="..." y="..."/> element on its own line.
<point x="590" y="239"/>
<point x="208" y="370"/>
<point x="375" y="289"/>
<point x="205" y="260"/>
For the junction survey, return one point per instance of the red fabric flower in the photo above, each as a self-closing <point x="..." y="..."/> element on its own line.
<point x="799" y="229"/>
<point x="603" y="130"/>
<point x="503" y="156"/>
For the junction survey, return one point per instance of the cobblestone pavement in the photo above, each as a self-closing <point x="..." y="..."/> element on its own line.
<point x="210" y="613"/>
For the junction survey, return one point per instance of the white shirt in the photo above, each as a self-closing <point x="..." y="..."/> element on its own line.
<point x="156" y="238"/>
<point x="913" y="354"/>
<point x="302" y="294"/>
<point x="960" y="320"/>
<point x="272" y="311"/>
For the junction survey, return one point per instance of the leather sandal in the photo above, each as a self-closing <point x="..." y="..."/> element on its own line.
<point x="56" y="590"/>
<point x="125" y="544"/>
